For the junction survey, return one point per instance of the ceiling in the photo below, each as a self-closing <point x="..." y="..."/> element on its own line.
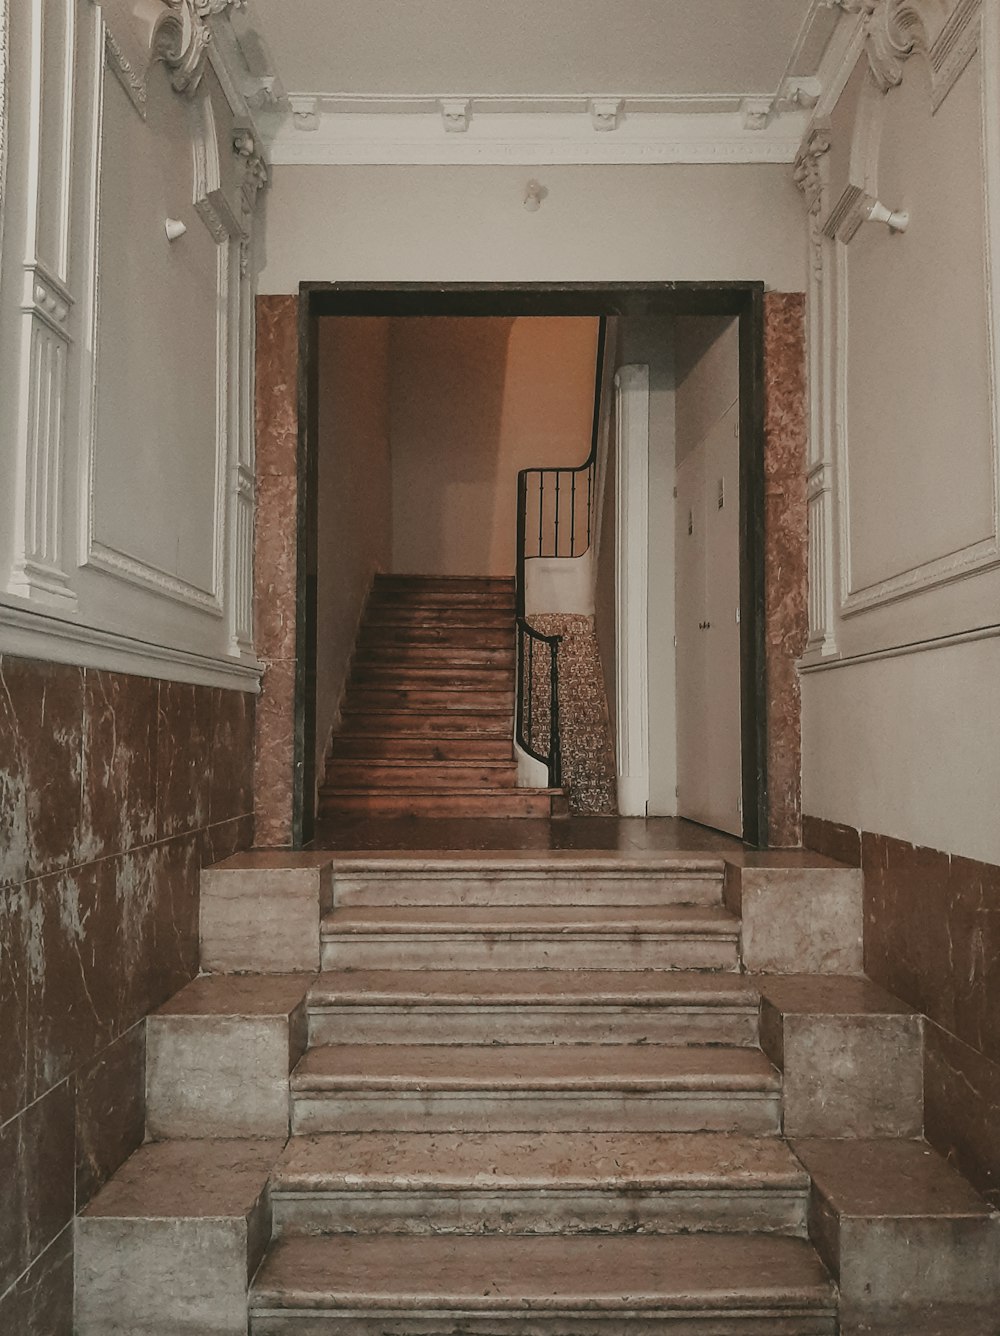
<point x="517" y="48"/>
<point x="532" y="81"/>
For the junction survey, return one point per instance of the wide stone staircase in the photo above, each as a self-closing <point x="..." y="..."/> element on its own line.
<point x="427" y="718"/>
<point x="552" y="1095"/>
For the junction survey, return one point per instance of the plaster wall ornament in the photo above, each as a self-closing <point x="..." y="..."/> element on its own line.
<point x="756" y="112"/>
<point x="606" y="113"/>
<point x="305" y="112"/>
<point x="254" y="168"/>
<point x="810" y="177"/>
<point x="455" y="114"/>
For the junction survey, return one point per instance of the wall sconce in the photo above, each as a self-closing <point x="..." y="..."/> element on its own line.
<point x="534" y="193"/>
<point x="174" y="229"/>
<point x="896" y="221"/>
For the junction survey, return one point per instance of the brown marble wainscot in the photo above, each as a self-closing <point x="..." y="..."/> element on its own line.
<point x="785" y="555"/>
<point x="114" y="791"/>
<point x="932" y="937"/>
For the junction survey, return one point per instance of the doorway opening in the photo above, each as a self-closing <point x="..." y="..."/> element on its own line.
<point x="727" y="315"/>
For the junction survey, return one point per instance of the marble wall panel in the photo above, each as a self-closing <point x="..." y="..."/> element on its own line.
<point x="785" y="555"/>
<point x="40" y="1303"/>
<point x="932" y="937"/>
<point x="962" y="1109"/>
<point x="116" y="790"/>
<point x="110" y="1112"/>
<point x="275" y="561"/>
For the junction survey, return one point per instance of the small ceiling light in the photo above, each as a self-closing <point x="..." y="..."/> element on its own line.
<point x="534" y="193"/>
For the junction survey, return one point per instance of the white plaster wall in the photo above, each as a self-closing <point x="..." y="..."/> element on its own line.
<point x="651" y="342"/>
<point x="472" y="401"/>
<point x="126" y="464"/>
<point x="354" y="538"/>
<point x="909" y="744"/>
<point x="908" y="747"/>
<point x="596" y="224"/>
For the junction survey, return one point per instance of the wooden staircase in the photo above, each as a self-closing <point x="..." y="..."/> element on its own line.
<point x="427" y="719"/>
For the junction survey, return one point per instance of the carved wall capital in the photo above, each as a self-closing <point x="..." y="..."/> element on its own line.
<point x="254" y="168"/>
<point x="808" y="172"/>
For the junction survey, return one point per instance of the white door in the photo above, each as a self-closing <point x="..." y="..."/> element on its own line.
<point x="709" y="750"/>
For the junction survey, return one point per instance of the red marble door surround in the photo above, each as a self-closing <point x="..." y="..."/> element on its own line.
<point x="786" y="545"/>
<point x="114" y="791"/>
<point x="275" y="558"/>
<point x="932" y="937"/>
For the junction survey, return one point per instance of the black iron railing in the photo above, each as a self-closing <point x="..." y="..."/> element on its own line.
<point x="555" y="517"/>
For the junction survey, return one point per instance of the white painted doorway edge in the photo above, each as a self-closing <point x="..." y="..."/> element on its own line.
<point x="631" y="587"/>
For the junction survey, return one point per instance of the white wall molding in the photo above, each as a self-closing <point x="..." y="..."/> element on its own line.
<point x="30" y="635"/>
<point x="810" y="665"/>
<point x="210" y="201"/>
<point x="957" y="39"/>
<point x="37" y="571"/>
<point x="632" y="588"/>
<point x="529" y="132"/>
<point x="4" y="102"/>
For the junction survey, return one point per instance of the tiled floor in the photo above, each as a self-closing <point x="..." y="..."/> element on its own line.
<point x="630" y="835"/>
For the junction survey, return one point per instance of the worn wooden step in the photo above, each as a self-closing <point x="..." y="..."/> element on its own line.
<point x="532" y="1087"/>
<point x="545" y="1183"/>
<point x="478" y="637"/>
<point x="353" y="774"/>
<point x="414" y="747"/>
<point x="484" y="721"/>
<point x="444" y="617"/>
<point x="557" y="879"/>
<point x="709" y="1285"/>
<point x="442" y="802"/>
<point x="448" y="584"/>
<point x="486" y="1006"/>
<point x="441" y="654"/>
<point x="453" y="697"/>
<point x="444" y="599"/>
<point x="441" y="676"/>
<point x="531" y="937"/>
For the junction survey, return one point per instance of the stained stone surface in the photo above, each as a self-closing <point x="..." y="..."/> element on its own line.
<point x="114" y="791"/>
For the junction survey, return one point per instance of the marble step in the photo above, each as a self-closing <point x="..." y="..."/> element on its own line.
<point x="712" y="1285"/>
<point x="553" y="880"/>
<point x="417" y="747"/>
<point x="442" y="802"/>
<point x="503" y="584"/>
<point x="563" y="937"/>
<point x="913" y="1247"/>
<point x="166" y="1246"/>
<point x="532" y="1007"/>
<point x="419" y="774"/>
<point x="546" y="1183"/>
<point x="531" y="1087"/>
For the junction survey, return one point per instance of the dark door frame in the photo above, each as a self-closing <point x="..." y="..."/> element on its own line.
<point x="744" y="300"/>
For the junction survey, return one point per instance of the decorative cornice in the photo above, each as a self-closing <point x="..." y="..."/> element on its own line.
<point x="598" y="131"/>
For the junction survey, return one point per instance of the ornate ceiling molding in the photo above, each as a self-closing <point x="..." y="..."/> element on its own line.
<point x="141" y="32"/>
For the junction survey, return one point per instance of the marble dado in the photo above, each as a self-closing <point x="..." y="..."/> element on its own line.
<point x="114" y="792"/>
<point x="932" y="937"/>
